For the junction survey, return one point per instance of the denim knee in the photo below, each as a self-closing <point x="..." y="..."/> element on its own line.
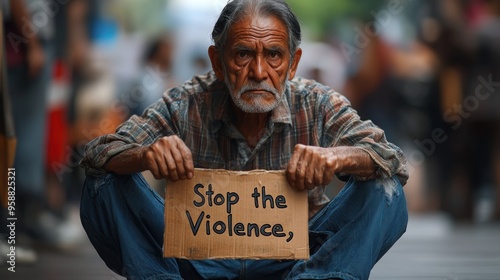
<point x="354" y="230"/>
<point x="394" y="200"/>
<point x="123" y="218"/>
<point x="394" y="208"/>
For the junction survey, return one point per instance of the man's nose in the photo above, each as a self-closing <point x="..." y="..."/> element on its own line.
<point x="258" y="69"/>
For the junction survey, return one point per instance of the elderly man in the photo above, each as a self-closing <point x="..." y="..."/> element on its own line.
<point x="250" y="112"/>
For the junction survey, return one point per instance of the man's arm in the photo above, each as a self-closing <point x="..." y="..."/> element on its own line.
<point x="138" y="139"/>
<point x="315" y="166"/>
<point x="346" y="146"/>
<point x="167" y="158"/>
<point x="127" y="162"/>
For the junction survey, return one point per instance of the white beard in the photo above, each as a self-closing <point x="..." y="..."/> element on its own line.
<point x="258" y="103"/>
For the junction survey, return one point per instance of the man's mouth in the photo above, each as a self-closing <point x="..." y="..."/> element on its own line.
<point x="257" y="91"/>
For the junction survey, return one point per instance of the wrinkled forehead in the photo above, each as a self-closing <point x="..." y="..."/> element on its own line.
<point x="262" y="27"/>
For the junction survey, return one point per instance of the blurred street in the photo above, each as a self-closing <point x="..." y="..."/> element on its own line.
<point x="435" y="249"/>
<point x="426" y="72"/>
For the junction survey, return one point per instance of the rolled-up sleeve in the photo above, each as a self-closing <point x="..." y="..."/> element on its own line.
<point x="345" y="128"/>
<point x="137" y="131"/>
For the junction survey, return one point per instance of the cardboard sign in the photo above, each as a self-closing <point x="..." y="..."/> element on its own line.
<point x="232" y="214"/>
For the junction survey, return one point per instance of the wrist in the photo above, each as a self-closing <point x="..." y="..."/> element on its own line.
<point x="142" y="158"/>
<point x="352" y="160"/>
<point x="338" y="158"/>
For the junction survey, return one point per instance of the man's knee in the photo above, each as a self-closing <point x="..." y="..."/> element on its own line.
<point x="109" y="184"/>
<point x="102" y="196"/>
<point x="386" y="196"/>
<point x="99" y="194"/>
<point x="94" y="184"/>
<point x="389" y="188"/>
<point x="392" y="188"/>
<point x="111" y="192"/>
<point x="397" y="211"/>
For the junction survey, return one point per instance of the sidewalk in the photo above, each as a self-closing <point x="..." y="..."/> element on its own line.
<point x="434" y="249"/>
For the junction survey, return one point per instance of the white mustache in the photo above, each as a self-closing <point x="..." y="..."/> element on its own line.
<point x="257" y="86"/>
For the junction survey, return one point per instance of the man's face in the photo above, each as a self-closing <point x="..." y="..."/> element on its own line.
<point x="256" y="63"/>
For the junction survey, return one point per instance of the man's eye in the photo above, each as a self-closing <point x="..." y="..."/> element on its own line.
<point x="243" y="54"/>
<point x="274" y="54"/>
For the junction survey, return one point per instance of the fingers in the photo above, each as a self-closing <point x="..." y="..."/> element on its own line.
<point x="298" y="168"/>
<point x="184" y="160"/>
<point x="150" y="164"/>
<point x="154" y="160"/>
<point x="180" y="162"/>
<point x="291" y="172"/>
<point x="329" y="171"/>
<point x="306" y="170"/>
<point x="170" y="161"/>
<point x="310" y="167"/>
<point x="188" y="162"/>
<point x="318" y="170"/>
<point x="170" y="158"/>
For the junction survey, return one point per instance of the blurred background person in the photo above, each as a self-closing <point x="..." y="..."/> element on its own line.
<point x="480" y="164"/>
<point x="152" y="81"/>
<point x="411" y="67"/>
<point x="155" y="76"/>
<point x="28" y="39"/>
<point x="37" y="79"/>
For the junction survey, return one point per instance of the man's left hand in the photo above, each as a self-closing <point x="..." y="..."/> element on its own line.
<point x="311" y="166"/>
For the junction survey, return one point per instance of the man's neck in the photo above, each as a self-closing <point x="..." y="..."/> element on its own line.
<point x="251" y="125"/>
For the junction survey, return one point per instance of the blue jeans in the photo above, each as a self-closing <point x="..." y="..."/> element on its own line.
<point x="124" y="221"/>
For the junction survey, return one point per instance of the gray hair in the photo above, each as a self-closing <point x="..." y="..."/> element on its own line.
<point x="236" y="9"/>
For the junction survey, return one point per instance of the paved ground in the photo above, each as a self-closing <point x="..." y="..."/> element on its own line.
<point x="432" y="249"/>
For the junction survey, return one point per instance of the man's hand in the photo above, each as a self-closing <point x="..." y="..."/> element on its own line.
<point x="312" y="166"/>
<point x="168" y="158"/>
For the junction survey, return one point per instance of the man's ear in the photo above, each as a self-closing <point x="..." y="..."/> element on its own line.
<point x="295" y="62"/>
<point x="216" y="61"/>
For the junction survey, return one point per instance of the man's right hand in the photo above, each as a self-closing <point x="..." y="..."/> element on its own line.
<point x="168" y="158"/>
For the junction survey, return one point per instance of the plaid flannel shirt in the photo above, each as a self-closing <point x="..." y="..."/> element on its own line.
<point x="199" y="113"/>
